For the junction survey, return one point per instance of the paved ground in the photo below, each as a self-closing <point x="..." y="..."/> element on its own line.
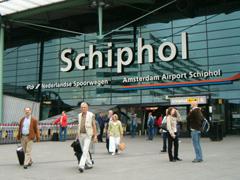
<point x="141" y="160"/>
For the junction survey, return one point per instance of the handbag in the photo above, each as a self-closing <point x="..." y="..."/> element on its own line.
<point x="122" y="146"/>
<point x="164" y="126"/>
<point x="205" y="126"/>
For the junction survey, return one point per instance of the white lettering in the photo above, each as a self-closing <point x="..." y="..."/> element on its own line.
<point x="120" y="61"/>
<point x="78" y="63"/>
<point x="184" y="46"/>
<point x="162" y="48"/>
<point x="66" y="60"/>
<point x="92" y="54"/>
<point x="167" y="51"/>
<point x="141" y="49"/>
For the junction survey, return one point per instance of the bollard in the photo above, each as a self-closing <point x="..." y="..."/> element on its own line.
<point x="139" y="132"/>
<point x="9" y="131"/>
<point x="0" y="133"/>
<point x="10" y="134"/>
<point x="49" y="132"/>
<point x="40" y="132"/>
<point x="15" y="132"/>
<point x="69" y="131"/>
<point x="5" y="133"/>
<point x="44" y="132"/>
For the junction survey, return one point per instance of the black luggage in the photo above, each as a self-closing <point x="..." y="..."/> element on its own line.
<point x="78" y="150"/>
<point x="107" y="144"/>
<point x="55" y="137"/>
<point x="20" y="155"/>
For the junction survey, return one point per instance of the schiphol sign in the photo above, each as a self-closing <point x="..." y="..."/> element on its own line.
<point x="127" y="52"/>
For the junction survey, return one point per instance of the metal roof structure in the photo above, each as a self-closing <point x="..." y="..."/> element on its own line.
<point x="13" y="6"/>
<point x="82" y="16"/>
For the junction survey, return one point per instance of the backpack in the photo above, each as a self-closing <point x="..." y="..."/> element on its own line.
<point x="164" y="124"/>
<point x="205" y="126"/>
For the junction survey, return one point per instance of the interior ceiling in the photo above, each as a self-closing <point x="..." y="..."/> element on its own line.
<point x="77" y="15"/>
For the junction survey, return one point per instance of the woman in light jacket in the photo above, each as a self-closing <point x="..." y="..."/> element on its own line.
<point x="115" y="132"/>
<point x="172" y="118"/>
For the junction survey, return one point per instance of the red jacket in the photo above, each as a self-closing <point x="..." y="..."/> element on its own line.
<point x="64" y="121"/>
<point x="158" y="122"/>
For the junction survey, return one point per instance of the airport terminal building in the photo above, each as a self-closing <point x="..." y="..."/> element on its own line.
<point x="138" y="55"/>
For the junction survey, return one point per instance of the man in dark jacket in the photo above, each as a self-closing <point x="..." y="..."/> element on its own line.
<point x="195" y="119"/>
<point x="101" y="121"/>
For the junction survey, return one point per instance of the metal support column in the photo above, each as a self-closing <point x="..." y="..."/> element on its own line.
<point x="100" y="21"/>
<point x="1" y="67"/>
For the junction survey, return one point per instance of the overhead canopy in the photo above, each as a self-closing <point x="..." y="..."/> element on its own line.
<point x="74" y="15"/>
<point x="82" y="15"/>
<point x="13" y="6"/>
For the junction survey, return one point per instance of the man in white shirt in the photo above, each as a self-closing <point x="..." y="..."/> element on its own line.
<point x="86" y="132"/>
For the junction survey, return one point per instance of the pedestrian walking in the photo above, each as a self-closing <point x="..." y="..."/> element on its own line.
<point x="86" y="133"/>
<point x="110" y="114"/>
<point x="133" y="126"/>
<point x="101" y="122"/>
<point x="27" y="132"/>
<point x="150" y="126"/>
<point x="115" y="133"/>
<point x="62" y="121"/>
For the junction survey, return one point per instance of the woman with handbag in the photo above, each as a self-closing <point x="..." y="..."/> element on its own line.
<point x="115" y="132"/>
<point x="172" y="119"/>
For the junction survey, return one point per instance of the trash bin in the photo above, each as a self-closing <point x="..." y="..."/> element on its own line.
<point x="216" y="131"/>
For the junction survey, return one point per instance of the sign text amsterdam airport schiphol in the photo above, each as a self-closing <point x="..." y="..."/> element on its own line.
<point x="124" y="55"/>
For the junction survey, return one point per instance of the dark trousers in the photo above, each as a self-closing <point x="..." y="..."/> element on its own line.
<point x="164" y="136"/>
<point x="107" y="143"/>
<point x="100" y="135"/>
<point x="175" y="143"/>
<point x="133" y="130"/>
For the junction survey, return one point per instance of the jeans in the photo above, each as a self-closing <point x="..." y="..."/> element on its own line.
<point x="133" y="130"/>
<point x="164" y="136"/>
<point x="196" y="144"/>
<point x="101" y="134"/>
<point x="150" y="133"/>
<point x="155" y="130"/>
<point x="63" y="130"/>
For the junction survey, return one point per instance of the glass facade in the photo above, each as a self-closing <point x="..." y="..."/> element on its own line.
<point x="213" y="44"/>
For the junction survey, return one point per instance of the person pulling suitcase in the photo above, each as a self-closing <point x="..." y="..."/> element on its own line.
<point x="86" y="133"/>
<point x="27" y="132"/>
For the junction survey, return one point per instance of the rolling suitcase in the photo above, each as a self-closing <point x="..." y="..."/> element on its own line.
<point x="55" y="137"/>
<point x="78" y="151"/>
<point x="20" y="155"/>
